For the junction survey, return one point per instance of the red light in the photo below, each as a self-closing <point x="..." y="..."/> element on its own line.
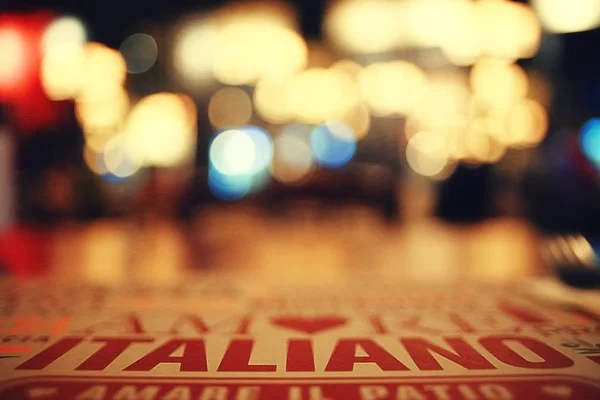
<point x="14" y="54"/>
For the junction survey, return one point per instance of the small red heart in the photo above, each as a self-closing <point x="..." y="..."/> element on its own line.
<point x="309" y="325"/>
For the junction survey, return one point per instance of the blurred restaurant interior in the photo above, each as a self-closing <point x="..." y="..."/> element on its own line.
<point x="422" y="139"/>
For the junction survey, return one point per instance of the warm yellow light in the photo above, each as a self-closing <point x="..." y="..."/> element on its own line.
<point x="292" y="161"/>
<point x="526" y="124"/>
<point x="251" y="51"/>
<point x="318" y="94"/>
<point x="103" y="70"/>
<point x="97" y="141"/>
<point x="362" y="26"/>
<point x="427" y="153"/>
<point x="461" y="44"/>
<point x="161" y="129"/>
<point x="507" y="29"/>
<point x="359" y="120"/>
<point x="229" y="107"/>
<point x="119" y="159"/>
<point x="12" y="48"/>
<point x="349" y="67"/>
<point x="94" y="161"/>
<point x="392" y="88"/>
<point x="428" y="22"/>
<point x="62" y="71"/>
<point x="270" y="101"/>
<point x="103" y="113"/>
<point x="563" y="16"/>
<point x="476" y="142"/>
<point x="498" y="83"/>
<point x="63" y="33"/>
<point x="195" y="49"/>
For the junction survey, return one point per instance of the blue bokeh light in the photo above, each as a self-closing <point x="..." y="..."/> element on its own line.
<point x="590" y="140"/>
<point x="333" y="144"/>
<point x="228" y="187"/>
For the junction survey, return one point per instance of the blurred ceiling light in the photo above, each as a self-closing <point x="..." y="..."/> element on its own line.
<point x="427" y="153"/>
<point x="104" y="113"/>
<point x="13" y="50"/>
<point x="590" y="140"/>
<point x="498" y="83"/>
<point x="140" y="52"/>
<point x="62" y="33"/>
<point x="229" y="107"/>
<point x="507" y="29"/>
<point x="233" y="152"/>
<point x="563" y="16"/>
<point x="61" y="72"/>
<point x="119" y="159"/>
<point x="362" y="26"/>
<point x="270" y="101"/>
<point x="103" y="70"/>
<point x="195" y="49"/>
<point x="293" y="160"/>
<point x="526" y="123"/>
<point x="392" y="88"/>
<point x="318" y="94"/>
<point x="333" y="144"/>
<point x="161" y="129"/>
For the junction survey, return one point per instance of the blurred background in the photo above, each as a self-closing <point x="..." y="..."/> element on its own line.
<point x="426" y="138"/>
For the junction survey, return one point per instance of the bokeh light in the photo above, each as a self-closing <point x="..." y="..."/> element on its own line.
<point x="498" y="83"/>
<point x="590" y="140"/>
<point x="119" y="159"/>
<point x="250" y="51"/>
<point x="161" y="129"/>
<point x="233" y="152"/>
<point x="333" y="144"/>
<point x="392" y="88"/>
<point x="562" y="16"/>
<point x="362" y="26"/>
<point x="507" y="29"/>
<point x="195" y="49"/>
<point x="62" y="72"/>
<point x="358" y="120"/>
<point x="526" y="124"/>
<point x="103" y="70"/>
<point x="293" y="159"/>
<point x="263" y="145"/>
<point x="271" y="101"/>
<point x="228" y="187"/>
<point x="229" y="106"/>
<point x="13" y="50"/>
<point x="319" y="94"/>
<point x="64" y="34"/>
<point x="427" y="153"/>
<point x="103" y="114"/>
<point x="94" y="160"/>
<point x="140" y="52"/>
